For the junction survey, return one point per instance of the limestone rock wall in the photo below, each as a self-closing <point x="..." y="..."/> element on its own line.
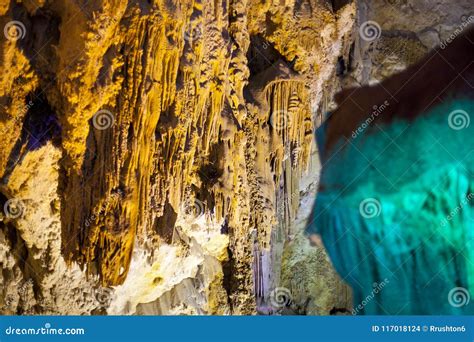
<point x="148" y="144"/>
<point x="157" y="156"/>
<point x="397" y="33"/>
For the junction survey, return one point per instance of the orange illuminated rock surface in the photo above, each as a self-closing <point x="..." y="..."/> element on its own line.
<point x="153" y="151"/>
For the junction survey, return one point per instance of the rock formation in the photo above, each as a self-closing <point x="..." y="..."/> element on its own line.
<point x="157" y="155"/>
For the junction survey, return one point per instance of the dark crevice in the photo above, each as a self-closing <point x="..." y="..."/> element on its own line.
<point x="90" y="155"/>
<point x="228" y="268"/>
<point x="351" y="58"/>
<point x="41" y="35"/>
<point x="339" y="311"/>
<point x="210" y="173"/>
<point x="39" y="126"/>
<point x="338" y="4"/>
<point x="164" y="225"/>
<point x="168" y="120"/>
<point x="340" y="67"/>
<point x="225" y="227"/>
<point x="105" y="72"/>
<point x="262" y="55"/>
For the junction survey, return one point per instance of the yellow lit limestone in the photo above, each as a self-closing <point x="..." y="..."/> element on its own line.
<point x="185" y="127"/>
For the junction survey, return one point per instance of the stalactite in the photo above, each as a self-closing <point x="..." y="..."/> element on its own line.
<point x="171" y="150"/>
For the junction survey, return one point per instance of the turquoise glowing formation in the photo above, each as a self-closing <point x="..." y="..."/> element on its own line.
<point x="396" y="213"/>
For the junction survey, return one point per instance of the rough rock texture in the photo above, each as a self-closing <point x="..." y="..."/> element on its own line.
<point x="387" y="38"/>
<point x="147" y="146"/>
<point x="153" y="150"/>
<point x="402" y="31"/>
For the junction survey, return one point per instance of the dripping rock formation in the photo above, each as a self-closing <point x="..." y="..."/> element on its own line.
<point x="157" y="156"/>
